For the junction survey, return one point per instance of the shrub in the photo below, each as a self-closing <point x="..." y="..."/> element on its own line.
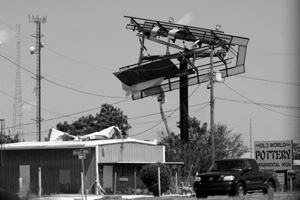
<point x="296" y="183"/>
<point x="149" y="176"/>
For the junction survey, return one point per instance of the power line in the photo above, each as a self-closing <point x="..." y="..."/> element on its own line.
<point x="77" y="86"/>
<point x="271" y="81"/>
<point x="259" y="104"/>
<point x="13" y="62"/>
<point x="32" y="105"/>
<point x="263" y="104"/>
<point x="46" y="79"/>
<point x="157" y="113"/>
<point x="274" y="53"/>
<point x="76" y="61"/>
<point x="167" y="116"/>
<point x="83" y="92"/>
<point x="57" y="53"/>
<point x="296" y="138"/>
<point x="76" y="113"/>
<point x="80" y="112"/>
<point x="139" y="117"/>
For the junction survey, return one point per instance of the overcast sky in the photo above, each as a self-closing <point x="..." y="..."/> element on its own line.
<point x="86" y="41"/>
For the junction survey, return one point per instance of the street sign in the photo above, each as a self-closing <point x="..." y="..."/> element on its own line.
<point x="86" y="151"/>
<point x="81" y="151"/>
<point x="77" y="151"/>
<point x="81" y="156"/>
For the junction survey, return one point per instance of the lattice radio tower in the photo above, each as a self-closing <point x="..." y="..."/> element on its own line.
<point x="18" y="112"/>
<point x="37" y="50"/>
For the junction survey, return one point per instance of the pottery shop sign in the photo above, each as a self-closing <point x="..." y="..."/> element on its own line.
<point x="274" y="154"/>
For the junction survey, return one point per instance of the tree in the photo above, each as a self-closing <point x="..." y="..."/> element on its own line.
<point x="108" y="116"/>
<point x="197" y="151"/>
<point x="149" y="176"/>
<point x="4" y="139"/>
<point x="296" y="151"/>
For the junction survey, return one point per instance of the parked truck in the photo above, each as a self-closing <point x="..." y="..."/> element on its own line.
<point x="234" y="177"/>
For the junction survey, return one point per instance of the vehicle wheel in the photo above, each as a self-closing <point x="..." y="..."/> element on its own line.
<point x="240" y="189"/>
<point x="200" y="195"/>
<point x="269" y="187"/>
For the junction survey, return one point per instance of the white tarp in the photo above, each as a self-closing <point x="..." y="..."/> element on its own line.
<point x="141" y="86"/>
<point x="112" y="132"/>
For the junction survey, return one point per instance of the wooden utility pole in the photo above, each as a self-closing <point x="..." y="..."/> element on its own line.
<point x="212" y="107"/>
<point x="250" y="138"/>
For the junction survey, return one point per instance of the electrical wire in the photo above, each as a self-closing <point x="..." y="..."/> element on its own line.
<point x="50" y="81"/>
<point x="72" y="114"/>
<point x="263" y="104"/>
<point x="11" y="61"/>
<point x="274" y="53"/>
<point x="55" y="52"/>
<point x="77" y="61"/>
<point x="259" y="104"/>
<point x="167" y="116"/>
<point x="271" y="81"/>
<point x="139" y="117"/>
<point x="49" y="111"/>
<point x="83" y="92"/>
<point x="296" y="138"/>
<point x="78" y="86"/>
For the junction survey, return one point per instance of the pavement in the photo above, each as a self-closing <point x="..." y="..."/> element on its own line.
<point x="88" y="197"/>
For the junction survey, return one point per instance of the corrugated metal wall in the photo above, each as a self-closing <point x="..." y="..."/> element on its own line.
<point x="131" y="152"/>
<point x="51" y="162"/>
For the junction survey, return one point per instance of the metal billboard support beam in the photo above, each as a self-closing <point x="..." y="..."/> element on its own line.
<point x="184" y="102"/>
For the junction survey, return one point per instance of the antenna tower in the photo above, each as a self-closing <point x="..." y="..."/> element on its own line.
<point x="18" y="112"/>
<point x="37" y="50"/>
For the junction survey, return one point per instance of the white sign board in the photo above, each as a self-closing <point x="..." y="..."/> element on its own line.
<point x="274" y="154"/>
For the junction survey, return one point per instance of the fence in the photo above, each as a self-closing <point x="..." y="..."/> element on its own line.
<point x="131" y="185"/>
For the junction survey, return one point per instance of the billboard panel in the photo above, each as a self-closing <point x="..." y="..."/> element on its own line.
<point x="274" y="154"/>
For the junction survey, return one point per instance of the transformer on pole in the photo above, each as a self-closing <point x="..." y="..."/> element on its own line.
<point x="37" y="50"/>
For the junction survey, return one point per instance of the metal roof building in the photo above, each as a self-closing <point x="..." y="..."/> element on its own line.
<point x="114" y="163"/>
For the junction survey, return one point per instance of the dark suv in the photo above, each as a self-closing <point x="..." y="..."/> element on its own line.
<point x="234" y="177"/>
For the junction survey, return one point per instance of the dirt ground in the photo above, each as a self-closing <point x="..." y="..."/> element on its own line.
<point x="254" y="196"/>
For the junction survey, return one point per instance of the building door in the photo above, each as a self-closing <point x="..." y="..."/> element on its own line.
<point x="108" y="178"/>
<point x="25" y="175"/>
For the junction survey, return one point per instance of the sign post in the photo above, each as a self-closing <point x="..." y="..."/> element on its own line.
<point x="82" y="155"/>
